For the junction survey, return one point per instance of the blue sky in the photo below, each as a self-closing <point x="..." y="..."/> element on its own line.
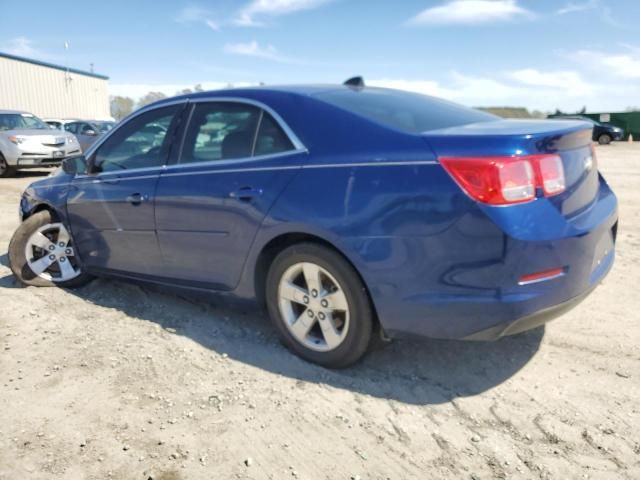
<point x="540" y="54"/>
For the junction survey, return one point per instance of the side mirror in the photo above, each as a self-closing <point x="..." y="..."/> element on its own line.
<point x="74" y="165"/>
<point x="90" y="132"/>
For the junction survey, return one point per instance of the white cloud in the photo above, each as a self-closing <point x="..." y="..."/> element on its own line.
<point x="621" y="65"/>
<point x="577" y="7"/>
<point x="249" y="15"/>
<point x="253" y="49"/>
<point x="530" y="88"/>
<point x="567" y="81"/>
<point x="194" y="14"/>
<point x="470" y="12"/>
<point x="21" y="46"/>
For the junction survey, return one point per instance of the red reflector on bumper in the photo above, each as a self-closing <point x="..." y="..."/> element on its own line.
<point x="541" y="276"/>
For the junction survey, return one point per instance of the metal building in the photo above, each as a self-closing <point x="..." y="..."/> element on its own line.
<point x="52" y="91"/>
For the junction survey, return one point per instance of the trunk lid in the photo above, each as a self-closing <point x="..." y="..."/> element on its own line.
<point x="571" y="140"/>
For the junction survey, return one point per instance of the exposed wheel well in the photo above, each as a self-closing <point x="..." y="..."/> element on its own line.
<point x="276" y="245"/>
<point x="41" y="208"/>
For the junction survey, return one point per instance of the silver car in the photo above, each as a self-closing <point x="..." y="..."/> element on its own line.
<point x="28" y="142"/>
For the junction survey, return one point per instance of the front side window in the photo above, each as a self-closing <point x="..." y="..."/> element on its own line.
<point x="142" y="142"/>
<point x="228" y="130"/>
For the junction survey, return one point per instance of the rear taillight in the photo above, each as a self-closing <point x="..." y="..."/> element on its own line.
<point x="551" y="174"/>
<point x="507" y="180"/>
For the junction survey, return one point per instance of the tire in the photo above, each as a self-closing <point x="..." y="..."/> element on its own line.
<point x="40" y="228"/>
<point x="604" y="139"/>
<point x="341" y="308"/>
<point x="6" y="170"/>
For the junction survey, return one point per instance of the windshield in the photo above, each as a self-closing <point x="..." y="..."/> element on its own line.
<point x="21" y="121"/>
<point x="409" y="112"/>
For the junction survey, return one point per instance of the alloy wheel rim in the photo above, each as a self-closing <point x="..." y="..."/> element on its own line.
<point x="50" y="254"/>
<point x="313" y="306"/>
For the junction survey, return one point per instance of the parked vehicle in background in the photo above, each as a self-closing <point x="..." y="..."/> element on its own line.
<point x="603" y="133"/>
<point x="348" y="211"/>
<point x="28" y="142"/>
<point x="104" y="125"/>
<point x="86" y="132"/>
<point x="56" y="123"/>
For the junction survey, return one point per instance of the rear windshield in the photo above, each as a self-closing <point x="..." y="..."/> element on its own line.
<point x="409" y="112"/>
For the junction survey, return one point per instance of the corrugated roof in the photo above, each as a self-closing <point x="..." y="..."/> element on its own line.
<point x="52" y="65"/>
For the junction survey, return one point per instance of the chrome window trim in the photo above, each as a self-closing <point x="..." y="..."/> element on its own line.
<point x="235" y="161"/>
<point x="293" y="138"/>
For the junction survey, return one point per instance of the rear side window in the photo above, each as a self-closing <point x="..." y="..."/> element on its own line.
<point x="271" y="138"/>
<point x="220" y="131"/>
<point x="405" y="111"/>
<point x="229" y="130"/>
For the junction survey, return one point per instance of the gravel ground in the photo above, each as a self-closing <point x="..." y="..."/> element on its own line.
<point x="123" y="381"/>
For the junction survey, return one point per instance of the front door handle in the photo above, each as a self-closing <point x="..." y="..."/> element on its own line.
<point x="136" y="199"/>
<point x="246" y="194"/>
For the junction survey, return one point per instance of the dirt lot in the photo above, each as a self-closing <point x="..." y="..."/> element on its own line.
<point x="131" y="382"/>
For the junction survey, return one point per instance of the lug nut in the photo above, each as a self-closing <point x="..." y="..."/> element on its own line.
<point x="324" y="303"/>
<point x="61" y="259"/>
<point x="305" y="299"/>
<point x="321" y="316"/>
<point x="61" y="244"/>
<point x="314" y="293"/>
<point x="52" y="257"/>
<point x="67" y="251"/>
<point x="310" y="313"/>
<point x="52" y="247"/>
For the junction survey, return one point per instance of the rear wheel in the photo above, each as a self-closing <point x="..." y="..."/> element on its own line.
<point x="319" y="305"/>
<point x="6" y="170"/>
<point x="604" y="139"/>
<point x="41" y="253"/>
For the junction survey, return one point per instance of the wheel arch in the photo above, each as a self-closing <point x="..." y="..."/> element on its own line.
<point x="275" y="245"/>
<point x="41" y="207"/>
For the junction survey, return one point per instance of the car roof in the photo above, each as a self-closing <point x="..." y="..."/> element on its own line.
<point x="264" y="91"/>
<point x="13" y="112"/>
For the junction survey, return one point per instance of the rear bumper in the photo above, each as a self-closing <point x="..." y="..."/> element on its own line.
<point x="463" y="281"/>
<point x="530" y="321"/>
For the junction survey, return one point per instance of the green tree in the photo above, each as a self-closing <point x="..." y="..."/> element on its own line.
<point x="150" y="98"/>
<point x="120" y="106"/>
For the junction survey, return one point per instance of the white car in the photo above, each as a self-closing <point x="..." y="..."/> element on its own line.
<point x="28" y="142"/>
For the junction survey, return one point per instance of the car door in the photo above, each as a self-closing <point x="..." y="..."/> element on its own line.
<point x="235" y="160"/>
<point x="110" y="208"/>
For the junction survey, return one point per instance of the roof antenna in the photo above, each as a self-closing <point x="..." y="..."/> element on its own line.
<point x="355" y="82"/>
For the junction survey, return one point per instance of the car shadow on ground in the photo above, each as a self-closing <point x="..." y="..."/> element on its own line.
<point x="410" y="371"/>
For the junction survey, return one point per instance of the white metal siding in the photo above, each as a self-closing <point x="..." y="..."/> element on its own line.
<point x="48" y="92"/>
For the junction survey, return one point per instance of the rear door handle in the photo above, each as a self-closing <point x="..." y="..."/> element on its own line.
<point x="136" y="199"/>
<point x="246" y="194"/>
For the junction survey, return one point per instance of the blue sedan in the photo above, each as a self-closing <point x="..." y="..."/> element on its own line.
<point x="350" y="212"/>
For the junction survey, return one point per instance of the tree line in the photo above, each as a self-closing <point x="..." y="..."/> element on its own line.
<point x="123" y="106"/>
